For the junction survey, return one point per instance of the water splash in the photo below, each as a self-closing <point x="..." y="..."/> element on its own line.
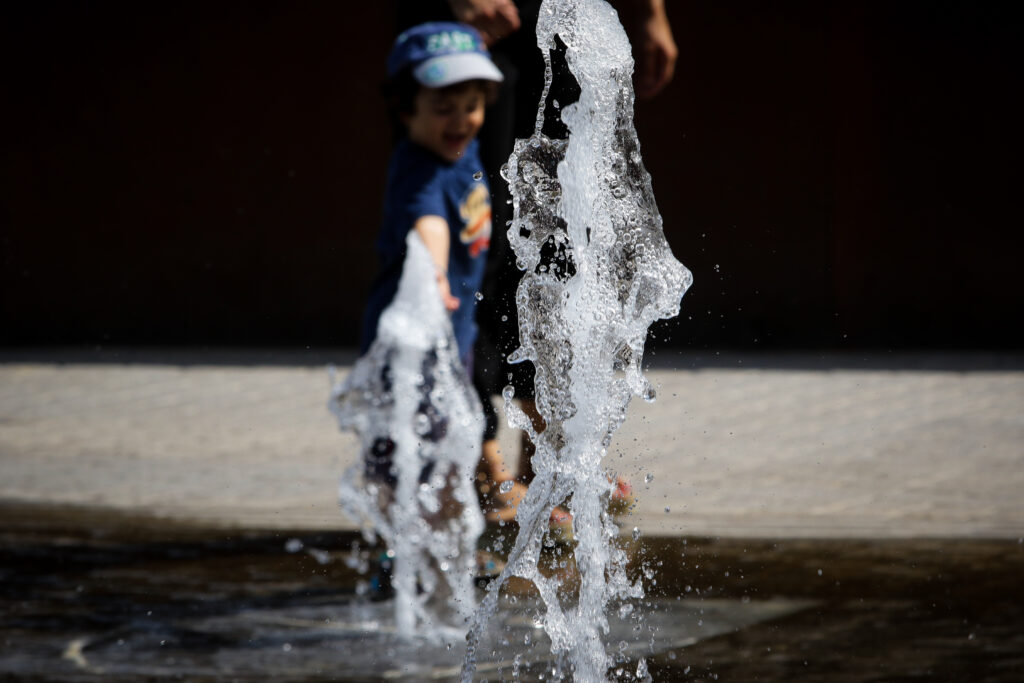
<point x="420" y="427"/>
<point x="598" y="273"/>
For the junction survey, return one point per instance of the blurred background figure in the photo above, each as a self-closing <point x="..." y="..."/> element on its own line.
<point x="510" y="30"/>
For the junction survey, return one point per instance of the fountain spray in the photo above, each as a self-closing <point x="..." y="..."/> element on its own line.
<point x="420" y="426"/>
<point x="597" y="273"/>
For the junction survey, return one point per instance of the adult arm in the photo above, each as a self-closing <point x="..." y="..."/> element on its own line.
<point x="654" y="48"/>
<point x="433" y="230"/>
<point x="494" y="19"/>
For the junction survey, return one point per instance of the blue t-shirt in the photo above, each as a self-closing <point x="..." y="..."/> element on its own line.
<point x="422" y="184"/>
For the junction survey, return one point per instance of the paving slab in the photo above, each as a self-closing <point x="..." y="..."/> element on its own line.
<point x="790" y="445"/>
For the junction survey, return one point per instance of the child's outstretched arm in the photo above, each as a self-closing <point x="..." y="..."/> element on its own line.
<point x="433" y="230"/>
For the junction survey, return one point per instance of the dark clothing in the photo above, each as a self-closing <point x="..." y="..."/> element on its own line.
<point x="513" y="116"/>
<point x="421" y="184"/>
<point x="379" y="462"/>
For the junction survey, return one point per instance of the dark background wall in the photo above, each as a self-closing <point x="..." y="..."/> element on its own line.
<point x="835" y="174"/>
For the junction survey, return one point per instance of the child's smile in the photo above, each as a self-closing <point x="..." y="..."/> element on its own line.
<point x="446" y="121"/>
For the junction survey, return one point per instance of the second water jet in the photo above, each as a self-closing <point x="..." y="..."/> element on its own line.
<point x="597" y="273"/>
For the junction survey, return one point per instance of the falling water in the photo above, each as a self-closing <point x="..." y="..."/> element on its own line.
<point x="420" y="427"/>
<point x="597" y="273"/>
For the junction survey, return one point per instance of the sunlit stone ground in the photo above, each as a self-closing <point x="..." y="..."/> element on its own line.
<point x="860" y="446"/>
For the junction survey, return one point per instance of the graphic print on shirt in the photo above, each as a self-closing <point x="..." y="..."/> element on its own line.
<point x="475" y="211"/>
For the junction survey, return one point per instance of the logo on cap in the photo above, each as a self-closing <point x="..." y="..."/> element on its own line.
<point x="451" y="41"/>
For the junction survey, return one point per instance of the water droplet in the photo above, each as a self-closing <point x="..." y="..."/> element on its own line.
<point x="421" y="424"/>
<point x="504" y="318"/>
<point x="648" y="478"/>
<point x="506" y="486"/>
<point x="287" y="647"/>
<point x="636" y="533"/>
<point x="478" y="175"/>
<point x="668" y="509"/>
<point x="479" y="296"/>
<point x="517" y="356"/>
<point x="509" y="392"/>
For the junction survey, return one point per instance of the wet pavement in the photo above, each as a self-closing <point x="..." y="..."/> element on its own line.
<point x="804" y="517"/>
<point x="88" y="596"/>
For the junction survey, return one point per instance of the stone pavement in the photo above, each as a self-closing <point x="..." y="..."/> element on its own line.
<point x="790" y="445"/>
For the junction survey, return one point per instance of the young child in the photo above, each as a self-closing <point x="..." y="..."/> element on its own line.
<point x="440" y="80"/>
<point x="407" y="397"/>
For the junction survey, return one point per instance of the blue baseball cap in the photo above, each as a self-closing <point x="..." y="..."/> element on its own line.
<point x="441" y="53"/>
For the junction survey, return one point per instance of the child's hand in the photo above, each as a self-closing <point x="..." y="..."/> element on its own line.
<point x="450" y="302"/>
<point x="433" y="230"/>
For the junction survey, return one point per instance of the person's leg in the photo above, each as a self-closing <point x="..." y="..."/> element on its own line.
<point x="621" y="499"/>
<point x="525" y="473"/>
<point x="500" y="493"/>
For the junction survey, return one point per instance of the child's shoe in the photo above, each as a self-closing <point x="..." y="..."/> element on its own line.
<point x="488" y="567"/>
<point x="380" y="582"/>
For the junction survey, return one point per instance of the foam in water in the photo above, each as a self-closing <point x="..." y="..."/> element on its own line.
<point x="411" y="404"/>
<point x="597" y="273"/>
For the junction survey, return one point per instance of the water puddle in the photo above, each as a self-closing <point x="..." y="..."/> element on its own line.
<point x="128" y="598"/>
<point x="90" y="595"/>
<point x="352" y="640"/>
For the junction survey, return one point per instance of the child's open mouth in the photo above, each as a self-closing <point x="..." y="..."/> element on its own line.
<point x="455" y="141"/>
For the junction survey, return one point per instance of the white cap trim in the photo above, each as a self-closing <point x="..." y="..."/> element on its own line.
<point x="438" y="72"/>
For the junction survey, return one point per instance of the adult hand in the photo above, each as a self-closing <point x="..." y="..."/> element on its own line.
<point x="494" y="19"/>
<point x="654" y="49"/>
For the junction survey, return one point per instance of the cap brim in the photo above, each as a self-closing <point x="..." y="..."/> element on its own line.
<point x="447" y="69"/>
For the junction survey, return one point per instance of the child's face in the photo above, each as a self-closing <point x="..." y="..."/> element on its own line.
<point x="446" y="121"/>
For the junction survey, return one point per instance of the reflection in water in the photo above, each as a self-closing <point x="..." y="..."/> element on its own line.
<point x="135" y="597"/>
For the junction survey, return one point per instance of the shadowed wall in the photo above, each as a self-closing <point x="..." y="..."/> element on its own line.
<point x="835" y="175"/>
